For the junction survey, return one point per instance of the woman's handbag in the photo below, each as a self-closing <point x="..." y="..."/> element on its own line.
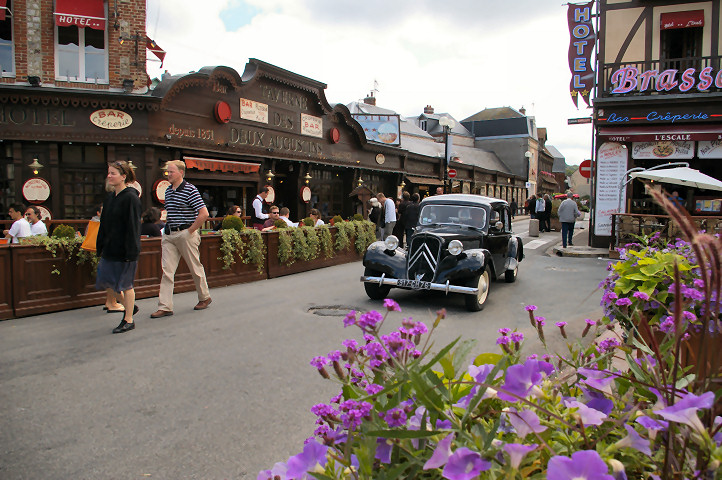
<point x="91" y="235"/>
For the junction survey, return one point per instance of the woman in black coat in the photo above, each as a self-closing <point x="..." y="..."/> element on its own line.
<point x="118" y="242"/>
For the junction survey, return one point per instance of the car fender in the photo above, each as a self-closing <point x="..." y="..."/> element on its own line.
<point x="392" y="263"/>
<point x="464" y="266"/>
<point x="515" y="253"/>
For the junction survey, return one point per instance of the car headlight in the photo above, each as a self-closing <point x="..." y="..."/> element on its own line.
<point x="455" y="247"/>
<point x="391" y="242"/>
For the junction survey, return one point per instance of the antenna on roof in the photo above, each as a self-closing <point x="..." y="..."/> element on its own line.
<point x="376" y="87"/>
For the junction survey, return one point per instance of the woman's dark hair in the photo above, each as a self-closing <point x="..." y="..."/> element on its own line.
<point x="232" y="209"/>
<point x="314" y="212"/>
<point x="151" y="215"/>
<point x="415" y="198"/>
<point x="124" y="168"/>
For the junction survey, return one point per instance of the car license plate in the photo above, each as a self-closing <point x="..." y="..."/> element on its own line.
<point x="415" y="284"/>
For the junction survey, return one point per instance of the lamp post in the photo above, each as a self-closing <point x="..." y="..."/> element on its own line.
<point x="448" y="124"/>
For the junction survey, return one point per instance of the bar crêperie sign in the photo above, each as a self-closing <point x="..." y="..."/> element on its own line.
<point x="36" y="190"/>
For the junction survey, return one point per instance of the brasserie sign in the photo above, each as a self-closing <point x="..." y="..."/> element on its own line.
<point x="630" y="79"/>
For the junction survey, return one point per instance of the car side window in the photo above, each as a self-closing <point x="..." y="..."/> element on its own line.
<point x="507" y="220"/>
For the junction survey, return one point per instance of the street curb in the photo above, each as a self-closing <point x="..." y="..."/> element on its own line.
<point x="580" y="251"/>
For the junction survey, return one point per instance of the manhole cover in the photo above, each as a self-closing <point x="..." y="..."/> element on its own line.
<point x="332" y="310"/>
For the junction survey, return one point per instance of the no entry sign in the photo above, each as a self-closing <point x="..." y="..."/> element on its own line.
<point x="585" y="168"/>
<point x="452" y="173"/>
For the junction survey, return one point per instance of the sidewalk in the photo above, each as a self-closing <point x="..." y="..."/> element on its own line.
<point x="581" y="246"/>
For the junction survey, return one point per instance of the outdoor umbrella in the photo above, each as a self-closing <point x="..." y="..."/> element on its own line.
<point x="680" y="176"/>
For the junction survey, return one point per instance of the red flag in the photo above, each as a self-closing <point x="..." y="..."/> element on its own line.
<point x="157" y="51"/>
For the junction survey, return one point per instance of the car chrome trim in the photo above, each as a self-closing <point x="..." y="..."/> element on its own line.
<point x="442" y="287"/>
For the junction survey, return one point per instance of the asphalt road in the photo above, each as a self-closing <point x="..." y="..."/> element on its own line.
<point x="226" y="392"/>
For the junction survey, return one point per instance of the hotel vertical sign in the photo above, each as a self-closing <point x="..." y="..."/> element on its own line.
<point x="581" y="45"/>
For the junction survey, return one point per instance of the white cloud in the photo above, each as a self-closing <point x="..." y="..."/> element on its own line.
<point x="460" y="56"/>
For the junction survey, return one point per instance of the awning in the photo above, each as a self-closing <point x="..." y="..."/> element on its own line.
<point x="81" y="13"/>
<point x="221" y="165"/>
<point x="157" y="51"/>
<point x="660" y="133"/>
<point x="685" y="176"/>
<point x="687" y="19"/>
<point x="424" y="180"/>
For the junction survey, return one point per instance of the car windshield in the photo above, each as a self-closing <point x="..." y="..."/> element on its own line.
<point x="453" y="214"/>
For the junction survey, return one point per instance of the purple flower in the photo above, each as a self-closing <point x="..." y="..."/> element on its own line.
<point x="441" y="453"/>
<point x="313" y="454"/>
<point x="391" y="305"/>
<point x="623" y="302"/>
<point x="370" y="319"/>
<point x="464" y="464"/>
<point x="503" y="341"/>
<point x="635" y="441"/>
<point x="373" y="389"/>
<point x="598" y="401"/>
<point x="504" y="331"/>
<point x="530" y="308"/>
<point x="652" y="425"/>
<point x="607" y="345"/>
<point x="349" y="319"/>
<point x="584" y="464"/>
<point x="589" y="416"/>
<point x="561" y="324"/>
<point x="590" y="322"/>
<point x="323" y="410"/>
<point x="517" y="337"/>
<point x="685" y="410"/>
<point x="319" y="362"/>
<point x="667" y="326"/>
<point x="334" y="356"/>
<point x="540" y="321"/>
<point x="517" y="452"/>
<point x="350" y="344"/>
<point x="520" y="379"/>
<point x="597" y="379"/>
<point x="525" y="422"/>
<point x="353" y="412"/>
<point x="395" y="417"/>
<point x="641" y="296"/>
<point x="689" y="316"/>
<point x="718" y="436"/>
<point x="383" y="450"/>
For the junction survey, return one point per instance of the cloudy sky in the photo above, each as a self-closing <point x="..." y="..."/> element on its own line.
<point x="460" y="56"/>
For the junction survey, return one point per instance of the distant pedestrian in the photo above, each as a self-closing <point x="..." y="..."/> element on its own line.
<point x="568" y="213"/>
<point x="547" y="213"/>
<point x="677" y="200"/>
<point x="150" y="226"/>
<point x="532" y="206"/>
<point x="20" y="227"/>
<point x="539" y="211"/>
<point x="37" y="227"/>
<point x="514" y="207"/>
<point x="411" y="217"/>
<point x="376" y="217"/>
<point x="439" y="190"/>
<point x="118" y="242"/>
<point x="186" y="212"/>
<point x="389" y="209"/>
<point x="259" y="210"/>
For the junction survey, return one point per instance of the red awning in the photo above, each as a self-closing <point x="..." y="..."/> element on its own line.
<point x="81" y="13"/>
<point x="660" y="133"/>
<point x="221" y="165"/>
<point x="157" y="51"/>
<point x="3" y="9"/>
<point x="687" y="19"/>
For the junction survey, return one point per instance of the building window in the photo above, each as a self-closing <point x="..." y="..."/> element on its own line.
<point x="7" y="50"/>
<point x="680" y="48"/>
<point x="83" y="179"/>
<point x="81" y="54"/>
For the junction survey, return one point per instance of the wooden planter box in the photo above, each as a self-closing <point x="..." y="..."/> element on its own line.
<point x="275" y="268"/>
<point x="6" y="286"/>
<point x="35" y="289"/>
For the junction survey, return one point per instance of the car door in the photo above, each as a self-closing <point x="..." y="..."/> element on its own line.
<point x="498" y="239"/>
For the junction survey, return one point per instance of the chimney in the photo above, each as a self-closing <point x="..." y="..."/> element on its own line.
<point x="370" y="100"/>
<point x="522" y="110"/>
<point x="428" y="109"/>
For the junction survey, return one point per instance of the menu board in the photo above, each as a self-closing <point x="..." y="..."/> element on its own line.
<point x="611" y="172"/>
<point x="663" y="150"/>
<point x="255" y="111"/>
<point x="708" y="206"/>
<point x="709" y="149"/>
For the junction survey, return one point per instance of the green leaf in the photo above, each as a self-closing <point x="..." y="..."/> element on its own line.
<point x="684" y="381"/>
<point x="637" y="276"/>
<point x="439" y="356"/>
<point x="490" y="358"/>
<point x="448" y="366"/>
<point x="403" y="433"/>
<point x="652" y="269"/>
<point x="461" y="354"/>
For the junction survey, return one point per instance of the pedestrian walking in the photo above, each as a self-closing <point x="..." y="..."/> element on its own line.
<point x="389" y="209"/>
<point x="539" y="211"/>
<point x="411" y="217"/>
<point x="186" y="212"/>
<point x="568" y="213"/>
<point x="118" y="242"/>
<point x="376" y="216"/>
<point x="547" y="213"/>
<point x="514" y="207"/>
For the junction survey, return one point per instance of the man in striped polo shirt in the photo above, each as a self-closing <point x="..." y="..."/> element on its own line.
<point x="186" y="212"/>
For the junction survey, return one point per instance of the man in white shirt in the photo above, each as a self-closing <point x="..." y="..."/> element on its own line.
<point x="37" y="227"/>
<point x="389" y="213"/>
<point x="20" y="227"/>
<point x="259" y="214"/>
<point x="285" y="212"/>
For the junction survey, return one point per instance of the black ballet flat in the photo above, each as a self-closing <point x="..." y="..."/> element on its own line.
<point x="124" y="327"/>
<point x="135" y="310"/>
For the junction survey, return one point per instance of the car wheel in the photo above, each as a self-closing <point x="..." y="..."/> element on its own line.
<point x="374" y="290"/>
<point x="474" y="303"/>
<point x="510" y="275"/>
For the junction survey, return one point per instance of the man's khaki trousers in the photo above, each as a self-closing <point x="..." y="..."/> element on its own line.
<point x="174" y="246"/>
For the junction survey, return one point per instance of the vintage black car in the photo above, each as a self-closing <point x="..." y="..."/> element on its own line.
<point x="461" y="243"/>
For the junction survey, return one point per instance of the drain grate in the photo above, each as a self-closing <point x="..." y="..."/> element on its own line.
<point x="332" y="310"/>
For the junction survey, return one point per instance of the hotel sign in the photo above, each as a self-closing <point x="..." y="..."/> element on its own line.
<point x="581" y="45"/>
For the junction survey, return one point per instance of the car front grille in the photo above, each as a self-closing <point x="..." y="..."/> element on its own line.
<point x="423" y="257"/>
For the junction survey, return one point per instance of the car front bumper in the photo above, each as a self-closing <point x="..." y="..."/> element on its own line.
<point x="441" y="287"/>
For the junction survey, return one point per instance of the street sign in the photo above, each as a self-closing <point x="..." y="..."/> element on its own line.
<point x="452" y="173"/>
<point x="576" y="121"/>
<point x="585" y="168"/>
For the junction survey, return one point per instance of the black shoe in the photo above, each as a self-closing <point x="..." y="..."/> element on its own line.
<point x="124" y="327"/>
<point x="135" y="310"/>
